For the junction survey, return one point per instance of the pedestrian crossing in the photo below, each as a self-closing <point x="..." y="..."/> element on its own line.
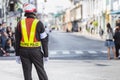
<point x="70" y="54"/>
<point x="73" y="52"/>
<point x="76" y="52"/>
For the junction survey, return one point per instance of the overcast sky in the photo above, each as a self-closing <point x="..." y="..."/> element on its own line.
<point x="52" y="5"/>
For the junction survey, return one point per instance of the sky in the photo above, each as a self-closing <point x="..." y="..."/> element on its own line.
<point x="52" y="5"/>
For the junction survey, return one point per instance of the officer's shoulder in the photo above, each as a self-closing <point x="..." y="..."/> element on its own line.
<point x="40" y="22"/>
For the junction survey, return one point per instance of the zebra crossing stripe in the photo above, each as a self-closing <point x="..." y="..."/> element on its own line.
<point x="53" y="52"/>
<point x="79" y="52"/>
<point x="92" y="52"/>
<point x="65" y="52"/>
<point x="104" y="51"/>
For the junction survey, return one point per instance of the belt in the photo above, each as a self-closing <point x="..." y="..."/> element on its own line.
<point x="30" y="48"/>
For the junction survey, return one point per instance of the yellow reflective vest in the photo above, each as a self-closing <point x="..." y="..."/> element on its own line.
<point x="29" y="42"/>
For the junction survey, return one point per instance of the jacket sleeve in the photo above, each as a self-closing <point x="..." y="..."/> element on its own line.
<point x="45" y="46"/>
<point x="17" y="39"/>
<point x="44" y="39"/>
<point x="115" y="35"/>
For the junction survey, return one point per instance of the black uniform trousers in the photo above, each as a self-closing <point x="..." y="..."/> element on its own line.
<point x="35" y="56"/>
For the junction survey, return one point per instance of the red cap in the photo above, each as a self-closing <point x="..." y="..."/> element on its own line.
<point x="29" y="8"/>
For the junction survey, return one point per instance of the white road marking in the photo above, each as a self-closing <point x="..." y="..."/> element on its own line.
<point x="104" y="51"/>
<point x="92" y="52"/>
<point x="78" y="52"/>
<point x="53" y="52"/>
<point x="66" y="52"/>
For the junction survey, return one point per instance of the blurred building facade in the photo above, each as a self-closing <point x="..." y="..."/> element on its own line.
<point x="74" y="19"/>
<point x="83" y="12"/>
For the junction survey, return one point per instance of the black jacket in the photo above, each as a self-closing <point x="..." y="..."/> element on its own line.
<point x="117" y="38"/>
<point x="39" y="29"/>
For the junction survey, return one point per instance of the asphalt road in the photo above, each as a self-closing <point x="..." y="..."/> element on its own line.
<point x="64" y="45"/>
<point x="67" y="41"/>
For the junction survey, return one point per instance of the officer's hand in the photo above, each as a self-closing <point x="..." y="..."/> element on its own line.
<point x="45" y="59"/>
<point x="18" y="60"/>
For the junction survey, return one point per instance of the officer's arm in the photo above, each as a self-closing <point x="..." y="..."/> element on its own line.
<point x="44" y="39"/>
<point x="17" y="39"/>
<point x="45" y="46"/>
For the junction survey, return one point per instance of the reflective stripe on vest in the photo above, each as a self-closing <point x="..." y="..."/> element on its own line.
<point x="29" y="42"/>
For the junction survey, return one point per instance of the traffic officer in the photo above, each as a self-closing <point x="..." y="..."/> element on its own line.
<point x="30" y="37"/>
